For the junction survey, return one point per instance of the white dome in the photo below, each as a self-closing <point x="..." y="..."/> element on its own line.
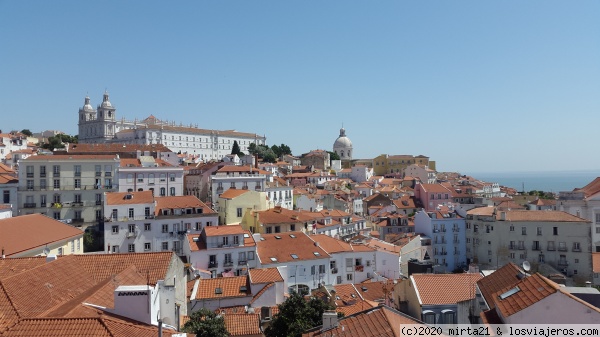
<point x="343" y="145"/>
<point x="342" y="142"/>
<point x="87" y="106"/>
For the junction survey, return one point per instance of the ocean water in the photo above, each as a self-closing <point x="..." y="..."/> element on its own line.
<point x="549" y="181"/>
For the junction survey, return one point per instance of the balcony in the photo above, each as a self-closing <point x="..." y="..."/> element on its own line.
<point x="213" y="264"/>
<point x="29" y="205"/>
<point x="98" y="174"/>
<point x="359" y="267"/>
<point x="56" y="174"/>
<point x="242" y="262"/>
<point x="130" y="234"/>
<point x="29" y="174"/>
<point x="43" y="175"/>
<point x="98" y="202"/>
<point x="78" y="220"/>
<point x="513" y="247"/>
<point x="227" y="263"/>
<point x="577" y="249"/>
<point x="563" y="263"/>
<point x="562" y="249"/>
<point x="77" y="203"/>
<point x="551" y="248"/>
<point x="521" y="247"/>
<point x="107" y="174"/>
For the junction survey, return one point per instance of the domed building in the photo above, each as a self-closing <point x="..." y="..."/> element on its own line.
<point x="343" y="146"/>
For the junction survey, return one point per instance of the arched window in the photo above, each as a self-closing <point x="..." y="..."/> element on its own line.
<point x="428" y="317"/>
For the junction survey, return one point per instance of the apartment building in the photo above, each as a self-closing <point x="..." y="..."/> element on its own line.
<point x="67" y="187"/>
<point x="141" y="222"/>
<point x="234" y="203"/>
<point x="146" y="173"/>
<point x="239" y="177"/>
<point x="585" y="203"/>
<point x="9" y="184"/>
<point x="556" y="238"/>
<point x="222" y="251"/>
<point x="447" y="231"/>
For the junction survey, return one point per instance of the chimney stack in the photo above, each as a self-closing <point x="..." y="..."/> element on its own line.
<point x="330" y="320"/>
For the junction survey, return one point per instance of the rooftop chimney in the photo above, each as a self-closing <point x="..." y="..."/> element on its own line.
<point x="588" y="284"/>
<point x="330" y="320"/>
<point x="50" y="258"/>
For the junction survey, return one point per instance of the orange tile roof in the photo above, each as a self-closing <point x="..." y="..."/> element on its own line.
<point x="184" y="201"/>
<point x="356" y="307"/>
<point x="435" y="188"/>
<point x="230" y="287"/>
<point x="241" y="169"/>
<point x="232" y="193"/>
<point x="15" y="265"/>
<point x="279" y="215"/>
<point x="590" y="189"/>
<point x="282" y="249"/>
<point x="242" y="324"/>
<point x="374" y="322"/>
<point x="457" y="287"/>
<point x="129" y="198"/>
<point x="373" y="291"/>
<point x="115" y="148"/>
<point x="532" y="289"/>
<point x="265" y="275"/>
<point x="14" y="238"/>
<point x="499" y="279"/>
<point x="223" y="230"/>
<point x="345" y="294"/>
<point x="74" y="157"/>
<point x="101" y="266"/>
<point x="331" y="245"/>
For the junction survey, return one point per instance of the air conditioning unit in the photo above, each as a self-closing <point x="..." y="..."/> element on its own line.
<point x="130" y="234"/>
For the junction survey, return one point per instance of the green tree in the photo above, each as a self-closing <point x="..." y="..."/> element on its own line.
<point x="26" y="132"/>
<point x="235" y="149"/>
<point x="205" y="322"/>
<point x="297" y="315"/>
<point x="333" y="156"/>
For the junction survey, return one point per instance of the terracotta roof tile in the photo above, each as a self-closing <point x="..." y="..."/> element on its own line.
<point x="265" y="275"/>
<point x="101" y="266"/>
<point x="13" y="266"/>
<point x="229" y="287"/>
<point x="73" y="157"/>
<point x="457" y="287"/>
<point x="115" y="148"/>
<point x="374" y="322"/>
<point x="242" y="324"/>
<point x="232" y="193"/>
<point x="242" y="169"/>
<point x="282" y="246"/>
<point x="504" y="277"/>
<point x="223" y="230"/>
<point x="530" y="290"/>
<point x="46" y="229"/>
<point x="373" y="291"/>
<point x="129" y="198"/>
<point x="184" y="201"/>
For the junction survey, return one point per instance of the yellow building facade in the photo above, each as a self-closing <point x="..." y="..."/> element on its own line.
<point x="395" y="164"/>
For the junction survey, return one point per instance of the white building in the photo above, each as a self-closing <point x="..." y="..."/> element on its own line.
<point x="10" y="142"/>
<point x="361" y="173"/>
<point x="67" y="187"/>
<point x="584" y="203"/>
<point x="387" y="258"/>
<point x="148" y="174"/>
<point x="101" y="125"/>
<point x="279" y="193"/>
<point x="9" y="184"/>
<point x="307" y="264"/>
<point x="447" y="232"/>
<point x="422" y="172"/>
<point x="240" y="177"/>
<point x="222" y="251"/>
<point x="140" y="222"/>
<point x="559" y="239"/>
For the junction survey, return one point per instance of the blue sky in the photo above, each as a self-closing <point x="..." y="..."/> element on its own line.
<point x="478" y="86"/>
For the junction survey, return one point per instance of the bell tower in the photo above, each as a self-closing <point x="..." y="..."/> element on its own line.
<point x="106" y="116"/>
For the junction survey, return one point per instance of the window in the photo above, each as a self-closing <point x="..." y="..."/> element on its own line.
<point x="147" y="246"/>
<point x="163" y="177"/>
<point x="165" y="228"/>
<point x="598" y="218"/>
<point x="77" y="183"/>
<point x="30" y="185"/>
<point x="239" y="212"/>
<point x="172" y="190"/>
<point x="321" y="269"/>
<point x="576" y="247"/>
<point x="151" y="178"/>
<point x="339" y="279"/>
<point x="269" y="230"/>
<point x="277" y="229"/>
<point x="131" y="212"/>
<point x="171" y="176"/>
<point x="524" y="230"/>
<point x="512" y="228"/>
<point x="598" y="230"/>
<point x="130" y="177"/>
<point x="131" y="248"/>
<point x="250" y="255"/>
<point x="165" y="245"/>
<point x="512" y="255"/>
<point x="348" y="277"/>
<point x="312" y="270"/>
<point x="42" y="171"/>
<point x="236" y="240"/>
<point x="140" y="178"/>
<point x="56" y="184"/>
<point x="6" y="197"/>
<point x="228" y="259"/>
<point x="554" y="230"/>
<point x="147" y="226"/>
<point x="163" y="191"/>
<point x="241" y="257"/>
<point x="56" y="215"/>
<point x="77" y="169"/>
<point x="56" y="170"/>
<point x="131" y="228"/>
<point x="292" y="227"/>
<point x="115" y="229"/>
<point x="98" y="170"/>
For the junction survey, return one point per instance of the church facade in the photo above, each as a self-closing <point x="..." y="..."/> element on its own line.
<point x="101" y="125"/>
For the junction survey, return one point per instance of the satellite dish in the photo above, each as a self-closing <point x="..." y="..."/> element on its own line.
<point x="46" y="251"/>
<point x="526" y="266"/>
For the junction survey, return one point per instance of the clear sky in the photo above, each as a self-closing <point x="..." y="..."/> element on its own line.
<point x="478" y="86"/>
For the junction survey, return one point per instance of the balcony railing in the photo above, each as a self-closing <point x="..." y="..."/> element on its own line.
<point x="227" y="263"/>
<point x="577" y="249"/>
<point x="29" y="205"/>
<point x="562" y="249"/>
<point x="78" y="220"/>
<point x="563" y="263"/>
<point x="213" y="264"/>
<point x="242" y="262"/>
<point x="334" y="270"/>
<point x="359" y="268"/>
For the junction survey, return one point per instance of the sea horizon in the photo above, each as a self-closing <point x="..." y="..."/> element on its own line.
<point x="547" y="181"/>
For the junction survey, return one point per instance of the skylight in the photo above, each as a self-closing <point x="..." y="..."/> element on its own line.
<point x="218" y="291"/>
<point x="510" y="293"/>
<point x="274" y="259"/>
<point x="292" y="236"/>
<point x="262" y="239"/>
<point x="277" y="237"/>
<point x="317" y="253"/>
<point x="294" y="256"/>
<point x="246" y="235"/>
